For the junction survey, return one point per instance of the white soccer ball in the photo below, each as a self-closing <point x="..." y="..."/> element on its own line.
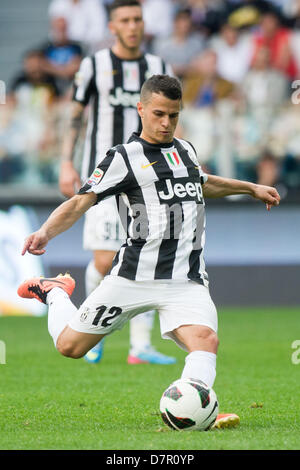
<point x="189" y="405"/>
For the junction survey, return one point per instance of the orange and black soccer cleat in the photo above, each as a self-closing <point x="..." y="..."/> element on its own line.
<point x="227" y="420"/>
<point x="38" y="287"/>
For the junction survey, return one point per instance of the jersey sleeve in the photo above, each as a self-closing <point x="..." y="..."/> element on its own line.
<point x="193" y="154"/>
<point x="203" y="175"/>
<point x="84" y="81"/>
<point x="111" y="177"/>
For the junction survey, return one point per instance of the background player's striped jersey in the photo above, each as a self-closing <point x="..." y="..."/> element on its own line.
<point x="161" y="185"/>
<point x="112" y="88"/>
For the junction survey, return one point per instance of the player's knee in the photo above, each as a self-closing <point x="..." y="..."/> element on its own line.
<point x="68" y="349"/>
<point x="214" y="341"/>
<point x="208" y="337"/>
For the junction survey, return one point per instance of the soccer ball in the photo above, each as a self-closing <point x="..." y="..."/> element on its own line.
<point x="189" y="405"/>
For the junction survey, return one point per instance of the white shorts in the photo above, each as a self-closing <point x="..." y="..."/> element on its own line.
<point x="102" y="227"/>
<point x="117" y="300"/>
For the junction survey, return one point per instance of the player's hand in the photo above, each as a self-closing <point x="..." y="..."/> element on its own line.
<point x="35" y="243"/>
<point x="267" y="194"/>
<point x="69" y="180"/>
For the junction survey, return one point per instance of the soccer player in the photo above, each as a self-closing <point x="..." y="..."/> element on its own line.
<point x="161" y="264"/>
<point x="110" y="82"/>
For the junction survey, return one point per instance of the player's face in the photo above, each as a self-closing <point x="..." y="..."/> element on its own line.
<point x="128" y="26"/>
<point x="159" y="117"/>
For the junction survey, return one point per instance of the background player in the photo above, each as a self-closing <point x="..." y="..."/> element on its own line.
<point x="159" y="269"/>
<point x="110" y="82"/>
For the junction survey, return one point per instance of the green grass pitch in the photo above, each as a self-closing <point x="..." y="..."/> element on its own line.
<point x="51" y="402"/>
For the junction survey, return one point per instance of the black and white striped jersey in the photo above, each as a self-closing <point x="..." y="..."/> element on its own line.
<point x="111" y="86"/>
<point x="161" y="186"/>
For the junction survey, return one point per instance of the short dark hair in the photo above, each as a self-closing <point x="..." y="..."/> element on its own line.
<point x="122" y="3"/>
<point x="168" y="86"/>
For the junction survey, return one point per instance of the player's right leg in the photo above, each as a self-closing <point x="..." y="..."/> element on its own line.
<point x="74" y="344"/>
<point x="56" y="292"/>
<point x="74" y="331"/>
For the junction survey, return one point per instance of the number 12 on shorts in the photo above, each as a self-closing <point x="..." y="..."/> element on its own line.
<point x="112" y="313"/>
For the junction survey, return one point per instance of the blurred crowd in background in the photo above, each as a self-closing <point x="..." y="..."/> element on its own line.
<point x="239" y="63"/>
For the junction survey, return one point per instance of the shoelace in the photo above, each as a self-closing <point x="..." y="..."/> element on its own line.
<point x="38" y="291"/>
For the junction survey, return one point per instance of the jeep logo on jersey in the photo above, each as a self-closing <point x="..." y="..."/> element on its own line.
<point x="124" y="98"/>
<point x="179" y="189"/>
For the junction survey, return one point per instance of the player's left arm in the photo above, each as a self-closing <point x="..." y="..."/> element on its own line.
<point x="60" y="220"/>
<point x="216" y="186"/>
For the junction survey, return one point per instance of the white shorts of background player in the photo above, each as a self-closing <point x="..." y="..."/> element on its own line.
<point x="102" y="227"/>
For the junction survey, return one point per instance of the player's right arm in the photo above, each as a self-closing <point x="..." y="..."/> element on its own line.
<point x="111" y="177"/>
<point x="69" y="180"/>
<point x="60" y="220"/>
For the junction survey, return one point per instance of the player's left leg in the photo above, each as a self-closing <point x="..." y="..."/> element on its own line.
<point x="202" y="344"/>
<point x="193" y="326"/>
